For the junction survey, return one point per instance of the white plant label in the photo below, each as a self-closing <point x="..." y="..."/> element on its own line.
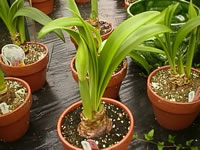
<point x="86" y="145"/>
<point x="4" y="108"/>
<point x="191" y="96"/>
<point x="13" y="55"/>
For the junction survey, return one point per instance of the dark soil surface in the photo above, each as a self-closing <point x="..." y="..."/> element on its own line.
<point x="17" y="95"/>
<point x="162" y="86"/>
<point x="120" y="127"/>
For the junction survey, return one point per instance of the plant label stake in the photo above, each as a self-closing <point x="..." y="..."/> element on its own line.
<point x="86" y="145"/>
<point x="197" y="95"/>
<point x="4" y="108"/>
<point x="191" y="96"/>
<point x="89" y="145"/>
<point x="13" y="55"/>
<point x="93" y="144"/>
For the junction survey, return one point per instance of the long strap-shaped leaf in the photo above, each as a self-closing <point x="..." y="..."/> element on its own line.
<point x="183" y="32"/>
<point x="124" y="30"/>
<point x="192" y="42"/>
<point x="149" y="49"/>
<point x="73" y="7"/>
<point x="33" y="13"/>
<point x="12" y="11"/>
<point x="135" y="38"/>
<point x="4" y="9"/>
<point x="168" y="20"/>
<point x="140" y="60"/>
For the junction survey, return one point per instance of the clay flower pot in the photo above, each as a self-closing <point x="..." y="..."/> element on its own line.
<point x="113" y="87"/>
<point x="172" y="115"/>
<point x="103" y="37"/>
<point x="14" y="125"/>
<point x="122" y="145"/>
<point x="45" y="6"/>
<point x="34" y="74"/>
<point x="82" y="1"/>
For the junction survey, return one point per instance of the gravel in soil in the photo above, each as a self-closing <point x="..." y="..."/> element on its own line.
<point x="131" y="1"/>
<point x="160" y="83"/>
<point x="34" y="52"/>
<point x="120" y="127"/>
<point x="104" y="27"/>
<point x="20" y="94"/>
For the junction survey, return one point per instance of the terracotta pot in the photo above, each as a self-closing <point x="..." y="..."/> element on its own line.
<point x="34" y="74"/>
<point x="14" y="125"/>
<point x="122" y="145"/>
<point x="82" y="1"/>
<point x="172" y="115"/>
<point x="45" y="6"/>
<point x="103" y="37"/>
<point x="113" y="87"/>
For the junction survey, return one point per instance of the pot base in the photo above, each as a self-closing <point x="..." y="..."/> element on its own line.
<point x="45" y="6"/>
<point x="173" y="121"/>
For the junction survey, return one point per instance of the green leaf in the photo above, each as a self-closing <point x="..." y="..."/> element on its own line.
<point x="21" y="29"/>
<point x="2" y="81"/>
<point x="60" y="23"/>
<point x="149" y="135"/>
<point x="82" y="60"/>
<point x="84" y="92"/>
<point x="160" y="145"/>
<point x="34" y="14"/>
<point x="73" y="7"/>
<point x="132" y="41"/>
<point x="194" y="148"/>
<point x="13" y="9"/>
<point x="190" y="53"/>
<point x="189" y="142"/>
<point x="37" y="16"/>
<point x="94" y="10"/>
<point x="179" y="146"/>
<point x="140" y="60"/>
<point x="192" y="12"/>
<point x="4" y="11"/>
<point x="183" y="32"/>
<point x="135" y="136"/>
<point x="171" y="139"/>
<point x="180" y="65"/>
<point x="130" y="38"/>
<point x="149" y="49"/>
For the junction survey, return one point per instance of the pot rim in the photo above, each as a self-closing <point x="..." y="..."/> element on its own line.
<point x="25" y="84"/>
<point x="108" y="100"/>
<point x="161" y="98"/>
<point x="139" y="1"/>
<point x="46" y="54"/>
